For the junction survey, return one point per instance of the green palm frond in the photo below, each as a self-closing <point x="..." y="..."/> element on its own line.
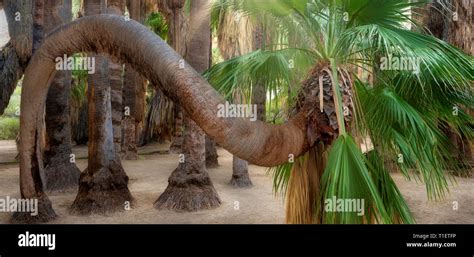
<point x="410" y="136"/>
<point x="281" y="177"/>
<point x="392" y="199"/>
<point x="274" y="68"/>
<point x="347" y="178"/>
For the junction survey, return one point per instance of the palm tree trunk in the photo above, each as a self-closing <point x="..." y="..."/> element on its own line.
<point x="103" y="185"/>
<point x="173" y="10"/>
<point x="116" y="7"/>
<point x="190" y="187"/>
<point x="460" y="35"/>
<point x="60" y="172"/>
<point x="134" y="92"/>
<point x="211" y="154"/>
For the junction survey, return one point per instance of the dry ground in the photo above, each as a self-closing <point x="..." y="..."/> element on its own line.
<point x="148" y="178"/>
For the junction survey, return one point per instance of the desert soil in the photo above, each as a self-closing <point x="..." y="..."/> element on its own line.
<point x="255" y="205"/>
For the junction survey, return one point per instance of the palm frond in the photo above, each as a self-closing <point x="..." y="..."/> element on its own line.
<point x="347" y="178"/>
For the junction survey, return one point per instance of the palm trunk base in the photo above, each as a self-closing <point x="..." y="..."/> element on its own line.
<point x="45" y="213"/>
<point x="102" y="192"/>
<point x="62" y="176"/>
<point x="241" y="181"/>
<point x="188" y="192"/>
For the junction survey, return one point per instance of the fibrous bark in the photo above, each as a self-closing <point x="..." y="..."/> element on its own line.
<point x="60" y="171"/>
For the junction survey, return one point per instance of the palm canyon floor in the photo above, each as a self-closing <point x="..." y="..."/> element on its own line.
<point x="256" y="205"/>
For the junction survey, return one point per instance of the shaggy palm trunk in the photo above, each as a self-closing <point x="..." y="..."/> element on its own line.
<point x="103" y="185"/>
<point x="303" y="199"/>
<point x="61" y="171"/>
<point x="159" y="117"/>
<point x="134" y="92"/>
<point x="190" y="187"/>
<point x="116" y="7"/>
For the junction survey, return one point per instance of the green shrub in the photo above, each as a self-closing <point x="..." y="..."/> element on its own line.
<point x="13" y="107"/>
<point x="9" y="127"/>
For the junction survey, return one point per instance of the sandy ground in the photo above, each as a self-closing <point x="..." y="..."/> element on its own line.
<point x="148" y="179"/>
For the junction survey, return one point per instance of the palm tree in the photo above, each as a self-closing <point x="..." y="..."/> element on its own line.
<point x="400" y="111"/>
<point x="103" y="185"/>
<point x="190" y="187"/>
<point x="60" y="172"/>
<point x="391" y="108"/>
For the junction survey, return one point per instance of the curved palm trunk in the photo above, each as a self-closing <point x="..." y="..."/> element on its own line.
<point x="103" y="185"/>
<point x="190" y="187"/>
<point x="60" y="172"/>
<point x="257" y="142"/>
